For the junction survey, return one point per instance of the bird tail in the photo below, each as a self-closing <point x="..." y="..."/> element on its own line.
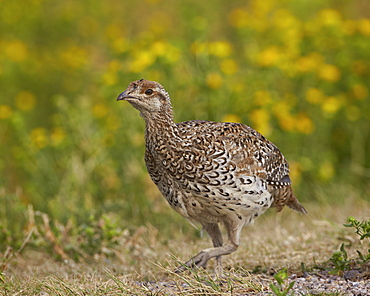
<point x="285" y="197"/>
<point x="295" y="205"/>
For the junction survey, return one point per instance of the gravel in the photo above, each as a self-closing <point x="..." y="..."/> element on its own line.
<point x="352" y="283"/>
<point x="325" y="283"/>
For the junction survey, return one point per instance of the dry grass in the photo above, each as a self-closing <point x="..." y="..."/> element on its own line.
<point x="275" y="241"/>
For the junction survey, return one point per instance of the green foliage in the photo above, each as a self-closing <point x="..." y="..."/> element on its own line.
<point x="340" y="258"/>
<point x="340" y="261"/>
<point x="362" y="227"/>
<point x="282" y="288"/>
<point x="99" y="235"/>
<point x="363" y="230"/>
<point x="13" y="218"/>
<point x="297" y="72"/>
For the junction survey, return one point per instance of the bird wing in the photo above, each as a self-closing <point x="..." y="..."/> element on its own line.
<point x="237" y="145"/>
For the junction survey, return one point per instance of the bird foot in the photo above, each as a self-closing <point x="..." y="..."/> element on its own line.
<point x="219" y="273"/>
<point x="199" y="260"/>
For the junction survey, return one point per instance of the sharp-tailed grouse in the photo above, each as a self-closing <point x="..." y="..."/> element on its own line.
<point x="210" y="172"/>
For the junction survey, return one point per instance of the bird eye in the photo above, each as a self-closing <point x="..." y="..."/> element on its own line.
<point x="149" y="91"/>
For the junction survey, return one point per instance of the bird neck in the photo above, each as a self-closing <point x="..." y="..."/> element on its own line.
<point x="160" y="126"/>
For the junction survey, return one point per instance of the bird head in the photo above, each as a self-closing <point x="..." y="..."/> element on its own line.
<point x="149" y="97"/>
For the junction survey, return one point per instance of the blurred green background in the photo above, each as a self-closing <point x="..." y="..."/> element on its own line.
<point x="297" y="71"/>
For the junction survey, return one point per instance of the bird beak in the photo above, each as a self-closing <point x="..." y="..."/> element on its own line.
<point x="125" y="96"/>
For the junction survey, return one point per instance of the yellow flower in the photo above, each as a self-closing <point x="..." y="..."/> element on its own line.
<point x="154" y="75"/>
<point x="314" y="95"/>
<point x="238" y="87"/>
<point x="263" y="8"/>
<point x="159" y="48"/>
<point x="114" y="31"/>
<point x="360" y="91"/>
<point x="287" y="122"/>
<point x="198" y="48"/>
<point x="349" y="27"/>
<point x="172" y="54"/>
<point x="199" y="23"/>
<point x="39" y="137"/>
<point x="285" y="20"/>
<point x="142" y="60"/>
<point x="220" y="49"/>
<point x="120" y="45"/>
<point x="258" y="24"/>
<point x="360" y="67"/>
<point x="262" y="98"/>
<point x="5" y="112"/>
<point x="330" y="17"/>
<point x="282" y="109"/>
<point x="326" y="171"/>
<point x="304" y="124"/>
<point x="100" y="110"/>
<point x="214" y="80"/>
<point x="74" y="57"/>
<point x="114" y="65"/>
<point x="87" y="25"/>
<point x="307" y="163"/>
<point x="364" y="27"/>
<point x="261" y="119"/>
<point x="239" y="18"/>
<point x="57" y="136"/>
<point x="229" y="66"/>
<point x="159" y="22"/>
<point x="331" y="105"/>
<point x="16" y="50"/>
<point x="309" y="62"/>
<point x="112" y="122"/>
<point x="110" y="78"/>
<point x="25" y="100"/>
<point x="231" y="118"/>
<point x="329" y="72"/>
<point x="268" y="57"/>
<point x="295" y="171"/>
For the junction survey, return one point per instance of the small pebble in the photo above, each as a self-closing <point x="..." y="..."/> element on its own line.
<point x="312" y="284"/>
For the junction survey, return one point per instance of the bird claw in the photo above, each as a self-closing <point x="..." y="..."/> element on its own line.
<point x="197" y="261"/>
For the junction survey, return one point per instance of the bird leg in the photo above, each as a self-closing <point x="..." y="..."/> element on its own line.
<point x="200" y="260"/>
<point x="215" y="233"/>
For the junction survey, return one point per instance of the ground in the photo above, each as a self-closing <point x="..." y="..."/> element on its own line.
<point x="143" y="266"/>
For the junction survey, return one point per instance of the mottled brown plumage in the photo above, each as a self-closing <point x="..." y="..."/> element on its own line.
<point x="210" y="172"/>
